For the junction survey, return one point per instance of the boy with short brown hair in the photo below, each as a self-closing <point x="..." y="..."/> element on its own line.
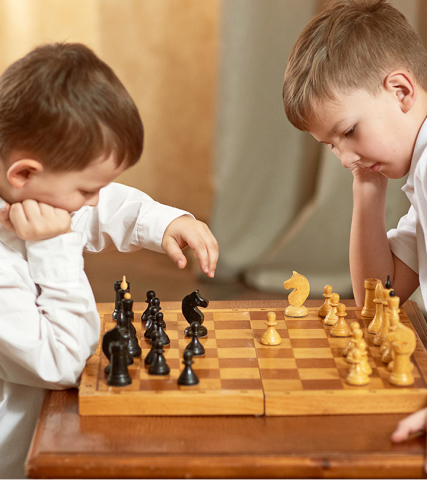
<point x="357" y="81"/>
<point x="68" y="128"/>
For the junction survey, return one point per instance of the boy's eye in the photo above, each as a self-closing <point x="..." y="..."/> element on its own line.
<point x="350" y="132"/>
<point x="331" y="146"/>
<point x="87" y="194"/>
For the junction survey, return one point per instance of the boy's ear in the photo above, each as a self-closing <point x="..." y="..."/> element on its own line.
<point x="403" y="87"/>
<point x="22" y="171"/>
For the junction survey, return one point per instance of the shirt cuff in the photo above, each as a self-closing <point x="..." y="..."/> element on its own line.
<point x="150" y="230"/>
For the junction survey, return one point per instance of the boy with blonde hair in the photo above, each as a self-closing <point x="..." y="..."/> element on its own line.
<point x="357" y="81"/>
<point x="68" y="128"/>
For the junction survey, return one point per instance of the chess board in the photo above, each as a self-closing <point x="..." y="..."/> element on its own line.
<point x="238" y="375"/>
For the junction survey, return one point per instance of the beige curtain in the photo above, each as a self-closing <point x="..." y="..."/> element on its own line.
<point x="283" y="202"/>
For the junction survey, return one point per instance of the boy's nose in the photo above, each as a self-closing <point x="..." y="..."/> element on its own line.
<point x="348" y="158"/>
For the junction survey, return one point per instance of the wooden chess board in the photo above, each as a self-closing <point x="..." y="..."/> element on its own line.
<point x="303" y="375"/>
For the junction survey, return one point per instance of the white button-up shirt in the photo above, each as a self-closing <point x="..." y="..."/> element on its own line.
<point x="408" y="240"/>
<point x="49" y="324"/>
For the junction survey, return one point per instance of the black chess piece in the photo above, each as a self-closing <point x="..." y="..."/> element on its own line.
<point x="150" y="355"/>
<point x="120" y="293"/>
<point x="149" y="325"/>
<point x="119" y="374"/>
<point x="190" y="304"/>
<point x="195" y="346"/>
<point x="128" y="309"/>
<point x="150" y="295"/>
<point x="159" y="326"/>
<point x="188" y="375"/>
<point x="128" y="331"/>
<point x="158" y="365"/>
<point x="388" y="283"/>
<point x="116" y="335"/>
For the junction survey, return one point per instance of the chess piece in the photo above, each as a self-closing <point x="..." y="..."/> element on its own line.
<point x="128" y="331"/>
<point x="150" y="295"/>
<point x="363" y="348"/>
<point x="158" y="366"/>
<point x="150" y="355"/>
<point x="299" y="294"/>
<point x="351" y="344"/>
<point x="402" y="370"/>
<point x="191" y="312"/>
<point x="271" y="335"/>
<point x="150" y="324"/>
<point x="332" y="318"/>
<point x="357" y="376"/>
<point x="383" y="331"/>
<point x="188" y="376"/>
<point x="341" y="328"/>
<point x="402" y="333"/>
<point x="375" y="325"/>
<point x="128" y="309"/>
<point x="394" y="320"/>
<point x="326" y="307"/>
<point x="162" y="334"/>
<point x="368" y="310"/>
<point x="116" y="334"/>
<point x="119" y="374"/>
<point x="119" y="294"/>
<point x="357" y="338"/>
<point x="195" y="346"/>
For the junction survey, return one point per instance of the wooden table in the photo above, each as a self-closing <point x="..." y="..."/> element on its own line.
<point x="66" y="445"/>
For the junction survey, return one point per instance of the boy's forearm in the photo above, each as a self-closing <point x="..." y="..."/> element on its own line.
<point x="370" y="254"/>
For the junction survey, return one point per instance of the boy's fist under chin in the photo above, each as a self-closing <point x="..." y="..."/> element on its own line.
<point x="32" y="220"/>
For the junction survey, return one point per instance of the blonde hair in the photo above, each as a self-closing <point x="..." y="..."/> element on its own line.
<point x="352" y="45"/>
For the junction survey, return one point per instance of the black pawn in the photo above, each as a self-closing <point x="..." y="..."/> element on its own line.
<point x="158" y="366"/>
<point x="159" y="326"/>
<point x="150" y="295"/>
<point x="195" y="346"/>
<point x="188" y="376"/>
<point x="150" y="322"/>
<point x="388" y="283"/>
<point x="119" y="374"/>
<point x="150" y="355"/>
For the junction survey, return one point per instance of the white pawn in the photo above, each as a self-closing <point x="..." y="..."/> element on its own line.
<point x="332" y="318"/>
<point x="357" y="375"/>
<point x="271" y="335"/>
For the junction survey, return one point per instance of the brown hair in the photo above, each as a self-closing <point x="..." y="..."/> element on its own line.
<point x="65" y="106"/>
<point x="351" y="45"/>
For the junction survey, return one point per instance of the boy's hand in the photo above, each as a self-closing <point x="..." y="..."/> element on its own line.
<point x="406" y="428"/>
<point x="4" y="217"/>
<point x="363" y="174"/>
<point x="185" y="231"/>
<point x="32" y="220"/>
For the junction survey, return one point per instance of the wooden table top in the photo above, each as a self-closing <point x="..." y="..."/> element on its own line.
<point x="66" y="445"/>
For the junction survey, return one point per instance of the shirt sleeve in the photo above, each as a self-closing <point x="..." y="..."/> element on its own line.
<point x="126" y="218"/>
<point x="49" y="325"/>
<point x="403" y="239"/>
